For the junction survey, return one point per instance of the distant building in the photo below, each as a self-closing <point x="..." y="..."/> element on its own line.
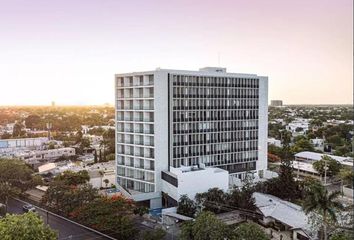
<point x="98" y="172"/>
<point x="276" y="103"/>
<point x="304" y="169"/>
<point x="312" y="157"/>
<point x="53" y="104"/>
<point x="36" y="156"/>
<point x="299" y="126"/>
<point x="318" y="143"/>
<point x="170" y="119"/>
<point x="11" y="145"/>
<point x="275" y="142"/>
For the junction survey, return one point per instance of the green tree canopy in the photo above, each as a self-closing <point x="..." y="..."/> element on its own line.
<point x="186" y="206"/>
<point x="342" y="236"/>
<point x="64" y="198"/>
<point x="212" y="200"/>
<point x="113" y="215"/>
<point x="332" y="165"/>
<point x="248" y="231"/>
<point x="319" y="201"/>
<point x="242" y="198"/>
<point x="15" y="178"/>
<point x="205" y="227"/>
<point x="347" y="175"/>
<point x="27" y="226"/>
<point x="301" y="145"/>
<point x="157" y="234"/>
<point x="18" y="130"/>
<point x="73" y="178"/>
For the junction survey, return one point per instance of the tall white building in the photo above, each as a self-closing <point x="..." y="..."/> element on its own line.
<point x="172" y="119"/>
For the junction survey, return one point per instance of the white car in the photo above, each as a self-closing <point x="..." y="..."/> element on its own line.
<point x="28" y="208"/>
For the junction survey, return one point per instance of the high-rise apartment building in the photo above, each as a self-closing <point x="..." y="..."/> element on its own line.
<point x="175" y="124"/>
<point x="276" y="103"/>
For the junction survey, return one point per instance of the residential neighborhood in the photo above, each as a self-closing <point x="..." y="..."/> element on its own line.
<point x="176" y="120"/>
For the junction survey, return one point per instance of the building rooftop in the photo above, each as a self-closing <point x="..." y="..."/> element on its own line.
<point x="318" y="156"/>
<point x="286" y="212"/>
<point x="183" y="169"/>
<point x="206" y="71"/>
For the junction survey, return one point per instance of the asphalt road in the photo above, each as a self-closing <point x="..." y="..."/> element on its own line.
<point x="67" y="230"/>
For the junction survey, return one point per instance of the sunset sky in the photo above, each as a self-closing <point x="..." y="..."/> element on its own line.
<point x="68" y="51"/>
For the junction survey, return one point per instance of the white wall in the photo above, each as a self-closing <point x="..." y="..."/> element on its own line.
<point x="193" y="182"/>
<point x="263" y="124"/>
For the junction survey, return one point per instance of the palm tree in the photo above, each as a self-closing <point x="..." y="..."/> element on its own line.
<point x="319" y="200"/>
<point x="103" y="145"/>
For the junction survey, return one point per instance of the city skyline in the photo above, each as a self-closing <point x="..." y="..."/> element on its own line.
<point x="69" y="52"/>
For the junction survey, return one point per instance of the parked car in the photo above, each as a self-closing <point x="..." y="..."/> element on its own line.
<point x="28" y="208"/>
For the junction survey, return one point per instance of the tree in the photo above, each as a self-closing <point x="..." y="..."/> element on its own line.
<point x="34" y="122"/>
<point x="286" y="138"/>
<point x="141" y="211"/>
<point x="18" y="130"/>
<point x="15" y="179"/>
<point x="7" y="191"/>
<point x="65" y="198"/>
<point x="319" y="201"/>
<point x="242" y="198"/>
<point x="27" y="226"/>
<point x="106" y="181"/>
<point x="95" y="159"/>
<point x="303" y="144"/>
<point x="332" y="165"/>
<point x="205" y="227"/>
<point x="85" y="143"/>
<point x="212" y="200"/>
<point x="341" y="236"/>
<point x="347" y="176"/>
<point x="284" y="186"/>
<point x="110" y="215"/>
<point x="186" y="206"/>
<point x="157" y="234"/>
<point x="68" y="191"/>
<point x="73" y="178"/>
<point x="78" y="137"/>
<point x="249" y="231"/>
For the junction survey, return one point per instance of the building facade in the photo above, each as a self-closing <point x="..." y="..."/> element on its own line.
<point x="175" y="118"/>
<point x="276" y="103"/>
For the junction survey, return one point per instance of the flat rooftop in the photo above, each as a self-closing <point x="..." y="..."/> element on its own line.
<point x="206" y="71"/>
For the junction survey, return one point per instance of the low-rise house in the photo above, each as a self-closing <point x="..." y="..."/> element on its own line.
<point x="35" y="156"/>
<point x="299" y="126"/>
<point x="318" y="143"/>
<point x="102" y="178"/>
<point x="312" y="157"/>
<point x="304" y="169"/>
<point x="288" y="219"/>
<point x="9" y="146"/>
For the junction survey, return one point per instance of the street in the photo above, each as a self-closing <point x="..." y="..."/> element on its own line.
<point x="67" y="230"/>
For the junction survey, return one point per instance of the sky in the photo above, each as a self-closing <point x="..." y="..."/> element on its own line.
<point x="68" y="51"/>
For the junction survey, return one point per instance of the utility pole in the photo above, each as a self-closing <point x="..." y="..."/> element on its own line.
<point x="325" y="173"/>
<point x="49" y="127"/>
<point x="325" y="159"/>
